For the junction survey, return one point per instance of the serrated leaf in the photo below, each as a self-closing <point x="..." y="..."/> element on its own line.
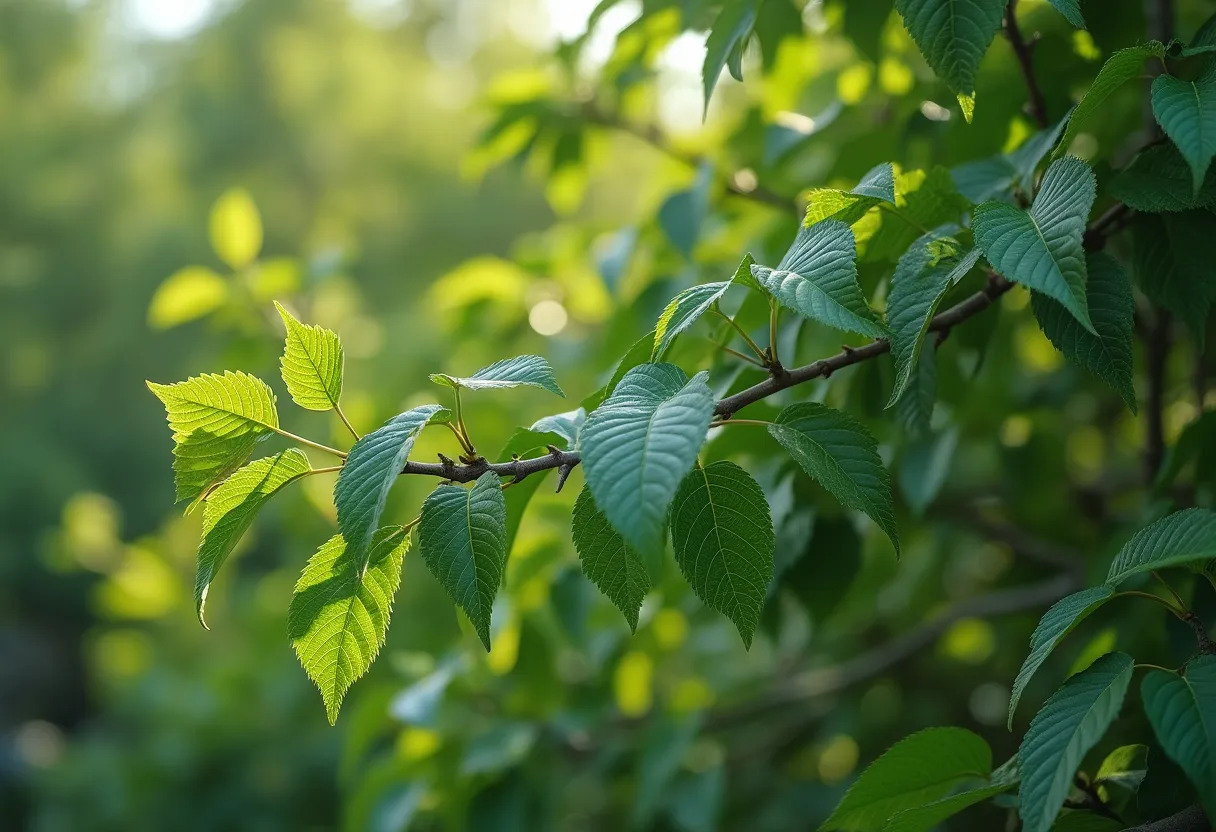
<point x="924" y="199"/>
<point x="953" y="35"/>
<point x="230" y="509"/>
<point x="340" y="610"/>
<point x="186" y="295"/>
<point x="1043" y="248"/>
<point x="236" y="228"/>
<point x="1183" y="537"/>
<point x="1063" y="616"/>
<point x="1108" y="354"/>
<point x="371" y="468"/>
<point x="878" y="185"/>
<point x="817" y="278"/>
<point x="730" y="30"/>
<point x="530" y="370"/>
<point x="1071" y="9"/>
<point x="722" y="535"/>
<point x="216" y="420"/>
<point x="840" y="454"/>
<point x="1121" y="67"/>
<point x="1182" y="711"/>
<point x="931" y="815"/>
<point x="683" y="311"/>
<point x="611" y="563"/>
<point x="1159" y="181"/>
<point x="1171" y="270"/>
<point x="311" y="363"/>
<point x="1186" y="111"/>
<point x="914" y="409"/>
<point x="1068" y="725"/>
<point x="917" y="770"/>
<point x="638" y="445"/>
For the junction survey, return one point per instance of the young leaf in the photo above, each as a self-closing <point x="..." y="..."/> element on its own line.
<point x="1158" y="181"/>
<point x="530" y="370"/>
<point x="840" y="454"/>
<point x="639" y="444"/>
<point x="730" y="30"/>
<point x="1183" y="537"/>
<point x="1121" y="67"/>
<point x="1056" y="623"/>
<point x="610" y="562"/>
<point x="1182" y="711"/>
<point x="1108" y="354"/>
<point x="1186" y="111"/>
<point x="1043" y="248"/>
<point x="878" y="185"/>
<point x="186" y="295"/>
<point x="339" y="613"/>
<point x="917" y="770"/>
<point x="230" y="509"/>
<point x="1071" y="9"/>
<point x="236" y="228"/>
<point x="817" y="278"/>
<point x="687" y="307"/>
<point x="371" y="469"/>
<point x="463" y="535"/>
<point x="311" y="363"/>
<point x="722" y="535"/>
<point x="1173" y="271"/>
<point x="1069" y="724"/>
<point x="953" y="35"/>
<point x="216" y="420"/>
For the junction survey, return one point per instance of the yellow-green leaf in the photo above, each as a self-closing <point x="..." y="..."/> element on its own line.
<point x="236" y="228"/>
<point x="186" y="295"/>
<point x="311" y="363"/>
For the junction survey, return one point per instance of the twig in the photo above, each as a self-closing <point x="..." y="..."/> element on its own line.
<point x="1035" y="104"/>
<point x="1190" y="819"/>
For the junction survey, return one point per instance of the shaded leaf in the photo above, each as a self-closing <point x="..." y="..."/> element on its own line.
<point x="1183" y="537"/>
<point x="730" y="30"/>
<point x="1121" y="67"/>
<point x="1071" y="9"/>
<point x="566" y="425"/>
<point x="611" y="563"/>
<point x="1186" y="111"/>
<point x="1171" y="270"/>
<point x="1182" y="711"/>
<point x="1159" y="180"/>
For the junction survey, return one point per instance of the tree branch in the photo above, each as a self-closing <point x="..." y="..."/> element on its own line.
<point x="1190" y="819"/>
<point x="1036" y="106"/>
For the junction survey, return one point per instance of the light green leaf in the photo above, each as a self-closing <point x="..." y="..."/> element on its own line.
<point x="917" y="770"/>
<point x="840" y="454"/>
<point x="610" y="562"/>
<point x="1069" y="724"/>
<point x="1183" y="537"/>
<point x="730" y="30"/>
<point x="1173" y="271"/>
<point x="1108" y="354"/>
<point x="371" y="469"/>
<point x="1124" y="767"/>
<point x="186" y="295"/>
<point x="566" y="425"/>
<point x="1071" y="9"/>
<point x="311" y="363"/>
<point x="687" y="307"/>
<point x="817" y="278"/>
<point x="339" y="613"/>
<point x="878" y="185"/>
<point x="1186" y="111"/>
<point x="638" y="445"/>
<point x="230" y="509"/>
<point x="1056" y="623"/>
<point x="722" y="535"/>
<point x="463" y="534"/>
<point x="530" y="370"/>
<point x="1158" y="181"/>
<point x="1121" y="67"/>
<point x="1043" y="248"/>
<point x="1182" y="711"/>
<point x="236" y="228"/>
<point x="216" y="420"/>
<point x="953" y="35"/>
<point x="925" y="200"/>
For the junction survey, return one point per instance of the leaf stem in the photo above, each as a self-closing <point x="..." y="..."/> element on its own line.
<point x="1135" y="593"/>
<point x="773" y="313"/>
<point x="754" y="346"/>
<point x="309" y="442"/>
<point x="345" y="421"/>
<point x="462" y="432"/>
<point x="895" y="212"/>
<point x="1178" y="598"/>
<point x="328" y="470"/>
<point x="1151" y="666"/>
<point x="742" y="356"/>
<point x="722" y="422"/>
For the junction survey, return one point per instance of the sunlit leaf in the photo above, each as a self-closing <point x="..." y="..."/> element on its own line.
<point x="236" y="228"/>
<point x="186" y="295"/>
<point x="953" y="35"/>
<point x="530" y="370"/>
<point x="311" y="363"/>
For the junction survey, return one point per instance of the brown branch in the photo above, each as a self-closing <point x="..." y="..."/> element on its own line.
<point x="1190" y="819"/>
<point x="1036" y="106"/>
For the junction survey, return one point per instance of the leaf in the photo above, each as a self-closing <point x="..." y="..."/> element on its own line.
<point x="524" y="443"/>
<point x="1186" y="111"/>
<point x="722" y="535"/>
<point x="931" y="815"/>
<point x="371" y="469"/>
<point x="1043" y="248"/>
<point x="186" y="295"/>
<point x="953" y="35"/>
<point x="1183" y="537"/>
<point x="230" y="510"/>
<point x="914" y="410"/>
<point x="1069" y="724"/>
<point x="1121" y="67"/>
<point x="1171" y="270"/>
<point x="1063" y="616"/>
<point x="730" y="30"/>
<point x="311" y="363"/>
<point x="1124" y="767"/>
<point x="878" y="185"/>
<point x="236" y="228"/>
<point x="611" y="563"/>
<point x="1108" y="354"/>
<point x="925" y="200"/>
<point x="638" y="445"/>
<point x="530" y="370"/>
<point x="1182" y="711"/>
<point x="1158" y="181"/>
<point x="817" y="278"/>
<point x="1071" y="9"/>
<point x="216" y="420"/>
<point x="639" y="353"/>
<point x="839" y="453"/>
<point x="924" y="468"/>
<point x="339" y="612"/>
<point x="566" y="425"/>
<point x="1025" y="160"/>
<point x="917" y="770"/>
<point x="462" y="534"/>
<point x="689" y="305"/>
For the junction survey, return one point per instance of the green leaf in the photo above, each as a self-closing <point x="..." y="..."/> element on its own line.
<point x="639" y="353"/>
<point x="639" y="444"/>
<point x="1056" y="623"/>
<point x="371" y="469"/>
<point x="1025" y="160"/>
<point x="1124" y="767"/>
<point x="924" y="468"/>
<point x="1121" y="67"/>
<point x="914" y="410"/>
<point x="566" y="425"/>
<point x="953" y="35"/>
<point x="1108" y="354"/>
<point x="186" y="295"/>
<point x="689" y="305"/>
<point x="878" y="185"/>
<point x="610" y="562"/>
<point x="931" y="815"/>
<point x="530" y="370"/>
<point x="1158" y="181"/>
<point x="722" y="535"/>
<point x="339" y="613"/>
<point x="230" y="509"/>
<point x="463" y="536"/>
<point x="925" y="200"/>
<point x="1182" y="711"/>
<point x="817" y="278"/>
<point x="1186" y="111"/>
<point x="236" y="228"/>
<point x="1043" y="248"/>
<point x="1171" y="270"/>
<point x="216" y="420"/>
<point x="311" y="364"/>
<point x="1070" y="723"/>
<point x="917" y="770"/>
<point x="1183" y="537"/>
<point x="840" y="454"/>
<point x="525" y="443"/>
<point x="1071" y="9"/>
<point x="730" y="30"/>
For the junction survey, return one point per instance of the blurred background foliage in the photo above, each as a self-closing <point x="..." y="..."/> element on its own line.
<point x="444" y="183"/>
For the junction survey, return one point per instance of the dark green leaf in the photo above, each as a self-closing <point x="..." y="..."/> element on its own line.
<point x="610" y="562"/>
<point x="1182" y="710"/>
<point x="1183" y="537"/>
<point x="730" y="30"/>
<point x="953" y="35"/>
<point x="1186" y="111"/>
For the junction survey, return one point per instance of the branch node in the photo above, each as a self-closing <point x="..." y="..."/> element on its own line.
<point x="562" y="473"/>
<point x="447" y="461"/>
<point x="553" y="449"/>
